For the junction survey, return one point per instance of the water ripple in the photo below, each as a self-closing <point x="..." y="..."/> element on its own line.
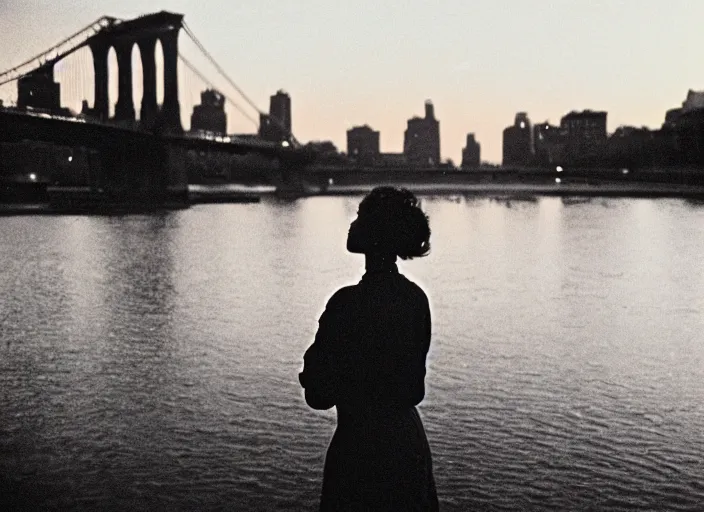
<point x="148" y="364"/>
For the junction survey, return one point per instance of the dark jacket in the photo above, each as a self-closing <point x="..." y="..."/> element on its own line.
<point x="368" y="360"/>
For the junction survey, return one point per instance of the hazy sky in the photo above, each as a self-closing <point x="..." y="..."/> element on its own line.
<point x="346" y="62"/>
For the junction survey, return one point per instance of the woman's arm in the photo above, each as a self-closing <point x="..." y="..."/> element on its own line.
<point x="319" y="376"/>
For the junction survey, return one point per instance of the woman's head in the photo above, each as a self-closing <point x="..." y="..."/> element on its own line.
<point x="390" y="221"/>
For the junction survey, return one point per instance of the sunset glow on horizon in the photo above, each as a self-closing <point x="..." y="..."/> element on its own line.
<point x="351" y="63"/>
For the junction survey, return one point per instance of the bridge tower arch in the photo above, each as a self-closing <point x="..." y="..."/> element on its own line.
<point x="144" y="32"/>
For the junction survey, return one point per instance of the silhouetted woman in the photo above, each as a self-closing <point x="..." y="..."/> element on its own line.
<point x="368" y="360"/>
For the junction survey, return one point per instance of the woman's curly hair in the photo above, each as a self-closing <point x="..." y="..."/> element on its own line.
<point x="394" y="222"/>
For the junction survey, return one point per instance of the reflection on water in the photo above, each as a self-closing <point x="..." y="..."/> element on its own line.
<point x="151" y="361"/>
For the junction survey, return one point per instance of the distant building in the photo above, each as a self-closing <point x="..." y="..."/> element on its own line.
<point x="323" y="146"/>
<point x="210" y="115"/>
<point x="326" y="153"/>
<point x="39" y="91"/>
<point x="392" y="160"/>
<point x="692" y="103"/>
<point x="421" y="141"/>
<point x="548" y="144"/>
<point x="683" y="131"/>
<point x="517" y="142"/>
<point x="276" y="126"/>
<point x="471" y="153"/>
<point x="672" y="117"/>
<point x="267" y="130"/>
<point x="689" y="132"/>
<point x="585" y="125"/>
<point x="585" y="134"/>
<point x="363" y="145"/>
<point x="630" y="147"/>
<point x="280" y="109"/>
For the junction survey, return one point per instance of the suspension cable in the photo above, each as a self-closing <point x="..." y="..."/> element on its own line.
<point x="102" y="23"/>
<point x="217" y="66"/>
<point x="212" y="60"/>
<point x="190" y="66"/>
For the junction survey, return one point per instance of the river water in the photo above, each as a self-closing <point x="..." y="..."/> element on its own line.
<point x="150" y="362"/>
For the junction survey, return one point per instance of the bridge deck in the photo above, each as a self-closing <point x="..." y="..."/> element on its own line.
<point x="18" y="125"/>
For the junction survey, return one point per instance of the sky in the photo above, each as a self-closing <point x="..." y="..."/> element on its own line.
<point x="374" y="62"/>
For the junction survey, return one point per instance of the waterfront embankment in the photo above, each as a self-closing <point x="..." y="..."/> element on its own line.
<point x="243" y="193"/>
<point x="522" y="189"/>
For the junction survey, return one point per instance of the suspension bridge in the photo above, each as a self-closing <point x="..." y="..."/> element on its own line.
<point x="123" y="91"/>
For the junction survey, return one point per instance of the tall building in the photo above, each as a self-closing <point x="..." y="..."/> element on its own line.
<point x="548" y="143"/>
<point x="210" y="115"/>
<point x="518" y="142"/>
<point x="363" y="145"/>
<point x="421" y="141"/>
<point x="276" y="126"/>
<point x="585" y="133"/>
<point x="280" y="109"/>
<point x="685" y="125"/>
<point x="38" y="90"/>
<point x="694" y="102"/>
<point x="471" y="153"/>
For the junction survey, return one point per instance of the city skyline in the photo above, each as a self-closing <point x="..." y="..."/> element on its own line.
<point x="479" y="63"/>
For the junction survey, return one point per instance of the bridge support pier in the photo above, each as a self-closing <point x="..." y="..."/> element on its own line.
<point x="171" y="109"/>
<point x="133" y="172"/>
<point x="100" y="67"/>
<point x="149" y="110"/>
<point x="176" y="175"/>
<point x="124" y="108"/>
<point x="289" y="180"/>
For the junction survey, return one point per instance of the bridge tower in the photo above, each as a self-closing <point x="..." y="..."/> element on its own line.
<point x="144" y="32"/>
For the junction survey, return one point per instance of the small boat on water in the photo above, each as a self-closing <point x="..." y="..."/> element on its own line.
<point x="518" y="197"/>
<point x="226" y="193"/>
<point x="568" y="200"/>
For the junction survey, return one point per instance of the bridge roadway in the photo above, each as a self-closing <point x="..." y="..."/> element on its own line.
<point x="136" y="166"/>
<point x="19" y="125"/>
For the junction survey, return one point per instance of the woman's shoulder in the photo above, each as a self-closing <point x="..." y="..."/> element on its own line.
<point x="341" y="296"/>
<point x="414" y="288"/>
